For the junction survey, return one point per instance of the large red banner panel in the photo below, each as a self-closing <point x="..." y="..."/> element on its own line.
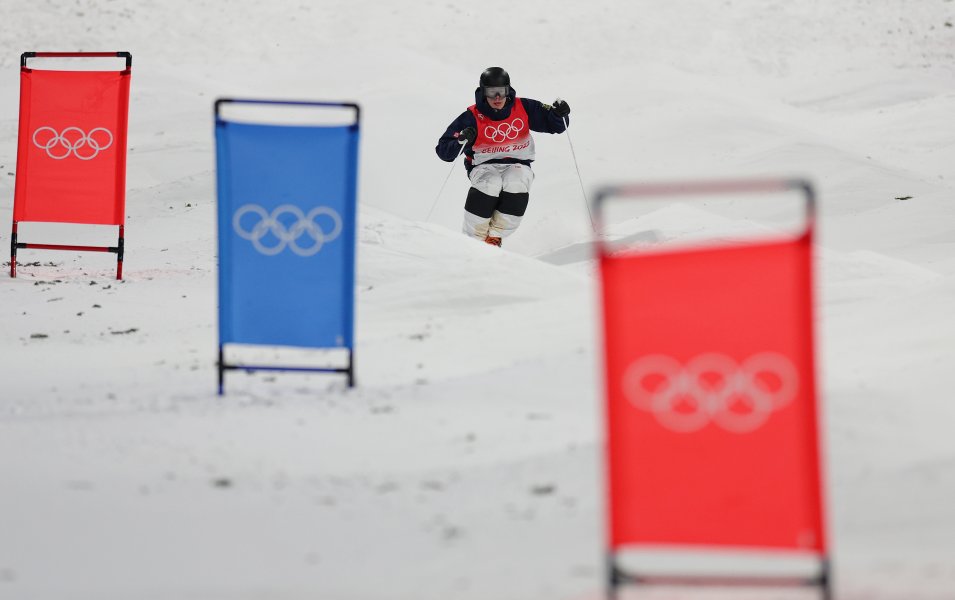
<point x="71" y="153"/>
<point x="711" y="408"/>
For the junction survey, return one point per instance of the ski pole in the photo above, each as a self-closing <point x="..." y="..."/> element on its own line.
<point x="577" y="168"/>
<point x="436" y="198"/>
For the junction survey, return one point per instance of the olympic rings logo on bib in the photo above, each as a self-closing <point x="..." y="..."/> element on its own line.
<point x="73" y="140"/>
<point x="271" y="234"/>
<point x="504" y="131"/>
<point x="711" y="388"/>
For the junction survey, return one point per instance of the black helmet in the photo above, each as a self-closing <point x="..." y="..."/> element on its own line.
<point x="495" y="77"/>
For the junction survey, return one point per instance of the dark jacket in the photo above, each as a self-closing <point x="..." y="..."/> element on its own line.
<point x="542" y="120"/>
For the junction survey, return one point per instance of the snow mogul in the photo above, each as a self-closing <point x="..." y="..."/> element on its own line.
<point x="495" y="133"/>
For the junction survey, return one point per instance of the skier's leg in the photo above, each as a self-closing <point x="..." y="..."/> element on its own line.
<point x="486" y="183"/>
<point x="513" y="201"/>
<point x="478" y="209"/>
<point x="507" y="217"/>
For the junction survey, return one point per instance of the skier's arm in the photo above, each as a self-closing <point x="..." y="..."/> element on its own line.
<point x="542" y="117"/>
<point x="448" y="145"/>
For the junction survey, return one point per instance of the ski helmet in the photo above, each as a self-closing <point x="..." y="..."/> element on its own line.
<point x="495" y="77"/>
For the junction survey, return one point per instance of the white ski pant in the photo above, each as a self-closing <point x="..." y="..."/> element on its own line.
<point x="492" y="179"/>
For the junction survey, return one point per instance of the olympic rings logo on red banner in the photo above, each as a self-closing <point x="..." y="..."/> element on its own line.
<point x="738" y="397"/>
<point x="287" y="232"/>
<point x="73" y="140"/>
<point x="504" y="131"/>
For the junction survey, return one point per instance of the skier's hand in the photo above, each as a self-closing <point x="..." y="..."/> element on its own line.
<point x="560" y="108"/>
<point x="467" y="135"/>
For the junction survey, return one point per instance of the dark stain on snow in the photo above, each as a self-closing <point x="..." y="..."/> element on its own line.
<point x="544" y="489"/>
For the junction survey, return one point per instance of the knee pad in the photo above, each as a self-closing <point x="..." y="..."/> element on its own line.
<point x="480" y="204"/>
<point x="513" y="204"/>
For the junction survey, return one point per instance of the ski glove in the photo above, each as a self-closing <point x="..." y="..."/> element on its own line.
<point x="560" y="108"/>
<point x="467" y="135"/>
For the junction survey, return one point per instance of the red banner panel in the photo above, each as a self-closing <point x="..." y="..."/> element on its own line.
<point x="71" y="153"/>
<point x="711" y="407"/>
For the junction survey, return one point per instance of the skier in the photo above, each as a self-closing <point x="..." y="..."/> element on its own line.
<point x="498" y="150"/>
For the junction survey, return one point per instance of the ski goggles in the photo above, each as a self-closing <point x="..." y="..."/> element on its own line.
<point x="496" y="92"/>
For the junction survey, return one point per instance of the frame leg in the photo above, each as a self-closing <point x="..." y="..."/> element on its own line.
<point x="221" y="367"/>
<point x="13" y="251"/>
<point x="119" y="254"/>
<point x="611" y="574"/>
<point x="826" y="579"/>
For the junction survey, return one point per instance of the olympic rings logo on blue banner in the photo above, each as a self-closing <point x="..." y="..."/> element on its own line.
<point x="73" y="140"/>
<point x="738" y="397"/>
<point x="504" y="131"/>
<point x="287" y="232"/>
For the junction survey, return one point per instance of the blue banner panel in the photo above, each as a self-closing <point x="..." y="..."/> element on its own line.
<point x="287" y="214"/>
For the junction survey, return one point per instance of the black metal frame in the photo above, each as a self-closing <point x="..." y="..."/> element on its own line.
<point x="616" y="577"/>
<point x="220" y="101"/>
<point x="704" y="187"/>
<point x="119" y="248"/>
<point x="28" y="55"/>
<point x="221" y="365"/>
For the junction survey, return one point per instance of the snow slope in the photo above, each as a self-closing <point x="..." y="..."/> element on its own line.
<point x="466" y="464"/>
